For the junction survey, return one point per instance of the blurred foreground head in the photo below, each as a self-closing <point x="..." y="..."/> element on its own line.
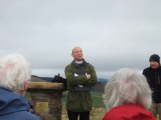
<point x="15" y="72"/>
<point x="127" y="86"/>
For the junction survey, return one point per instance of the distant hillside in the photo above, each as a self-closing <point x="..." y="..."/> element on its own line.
<point x="37" y="78"/>
<point x="99" y="87"/>
<point x="104" y="80"/>
<point x="47" y="78"/>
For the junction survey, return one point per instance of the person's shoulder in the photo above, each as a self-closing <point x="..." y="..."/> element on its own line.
<point x="28" y="116"/>
<point x="21" y="115"/>
<point x="89" y="64"/>
<point x="146" y="69"/>
<point x="128" y="112"/>
<point x="68" y="66"/>
<point x="119" y="112"/>
<point x="113" y="114"/>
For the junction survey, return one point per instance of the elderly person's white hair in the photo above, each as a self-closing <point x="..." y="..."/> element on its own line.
<point x="14" y="72"/>
<point x="127" y="86"/>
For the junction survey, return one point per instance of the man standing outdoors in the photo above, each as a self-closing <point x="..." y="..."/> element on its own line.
<point x="81" y="76"/>
<point x="153" y="75"/>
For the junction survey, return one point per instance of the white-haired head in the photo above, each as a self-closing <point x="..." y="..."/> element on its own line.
<point x="127" y="86"/>
<point x="14" y="72"/>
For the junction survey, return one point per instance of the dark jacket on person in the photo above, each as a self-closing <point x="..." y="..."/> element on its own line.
<point x="154" y="79"/>
<point x="79" y="97"/>
<point x="14" y="107"/>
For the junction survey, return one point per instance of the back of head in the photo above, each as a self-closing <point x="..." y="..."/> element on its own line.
<point x="127" y="86"/>
<point x="14" y="72"/>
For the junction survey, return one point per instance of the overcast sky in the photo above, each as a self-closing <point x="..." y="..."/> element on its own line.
<point x="112" y="33"/>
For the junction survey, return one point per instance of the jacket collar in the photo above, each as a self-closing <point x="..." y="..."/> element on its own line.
<point x="159" y="68"/>
<point x="79" y="65"/>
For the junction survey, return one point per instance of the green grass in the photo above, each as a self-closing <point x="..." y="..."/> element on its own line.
<point x="97" y="99"/>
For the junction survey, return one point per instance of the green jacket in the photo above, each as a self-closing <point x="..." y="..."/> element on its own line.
<point x="79" y="98"/>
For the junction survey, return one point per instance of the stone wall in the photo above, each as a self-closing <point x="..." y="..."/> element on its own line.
<point x="46" y="99"/>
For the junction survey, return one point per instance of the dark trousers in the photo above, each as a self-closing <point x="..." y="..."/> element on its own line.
<point x="74" y="115"/>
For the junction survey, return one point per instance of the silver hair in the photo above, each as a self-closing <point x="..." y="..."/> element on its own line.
<point x="127" y="86"/>
<point x="14" y="72"/>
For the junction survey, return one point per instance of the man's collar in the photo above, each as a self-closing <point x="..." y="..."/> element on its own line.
<point x="79" y="62"/>
<point x="83" y="62"/>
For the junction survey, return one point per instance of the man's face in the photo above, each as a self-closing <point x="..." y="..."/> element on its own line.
<point x="154" y="65"/>
<point x="77" y="54"/>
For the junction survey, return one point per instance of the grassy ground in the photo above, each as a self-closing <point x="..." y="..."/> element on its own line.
<point x="98" y="109"/>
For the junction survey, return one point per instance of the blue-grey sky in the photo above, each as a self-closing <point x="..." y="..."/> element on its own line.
<point x="112" y="33"/>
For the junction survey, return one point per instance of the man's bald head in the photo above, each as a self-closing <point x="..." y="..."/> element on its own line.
<point x="77" y="53"/>
<point x="76" y="49"/>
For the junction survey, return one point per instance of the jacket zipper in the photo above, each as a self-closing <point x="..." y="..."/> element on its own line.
<point x="159" y="79"/>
